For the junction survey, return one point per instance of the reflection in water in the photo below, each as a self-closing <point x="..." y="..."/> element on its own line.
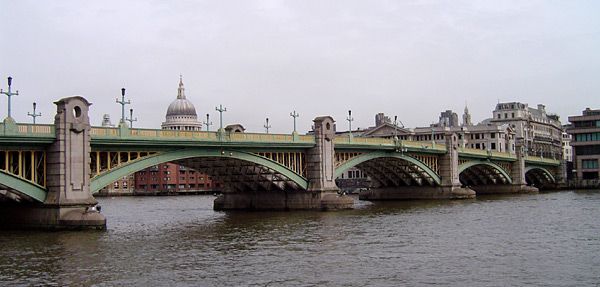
<point x="541" y="239"/>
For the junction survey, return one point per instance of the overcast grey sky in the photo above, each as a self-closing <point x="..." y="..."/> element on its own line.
<point x="266" y="58"/>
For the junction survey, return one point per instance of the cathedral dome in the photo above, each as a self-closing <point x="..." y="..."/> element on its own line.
<point x="181" y="107"/>
<point x="181" y="114"/>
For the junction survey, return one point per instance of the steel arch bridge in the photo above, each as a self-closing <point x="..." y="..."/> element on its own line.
<point x="254" y="162"/>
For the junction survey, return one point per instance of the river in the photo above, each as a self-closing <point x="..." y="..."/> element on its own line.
<point x="546" y="239"/>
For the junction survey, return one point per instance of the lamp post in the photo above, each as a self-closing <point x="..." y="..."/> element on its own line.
<point x="131" y="119"/>
<point x="267" y="126"/>
<point x="208" y="123"/>
<point x="350" y="119"/>
<point x="221" y="109"/>
<point x="396" y="128"/>
<point x="9" y="93"/>
<point x="294" y="115"/>
<point x="122" y="102"/>
<point x="34" y="115"/>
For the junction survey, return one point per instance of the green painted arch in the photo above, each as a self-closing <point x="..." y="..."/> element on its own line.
<point x="32" y="190"/>
<point x="545" y="171"/>
<point x="113" y="175"/>
<point x="469" y="164"/>
<point x="381" y="154"/>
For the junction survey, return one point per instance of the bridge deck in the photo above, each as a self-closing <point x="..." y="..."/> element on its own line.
<point x="110" y="136"/>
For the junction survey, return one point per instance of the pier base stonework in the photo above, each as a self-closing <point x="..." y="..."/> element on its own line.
<point x="449" y="171"/>
<point x="269" y="200"/>
<point x="69" y="203"/>
<point x="320" y="167"/>
<point x="416" y="192"/>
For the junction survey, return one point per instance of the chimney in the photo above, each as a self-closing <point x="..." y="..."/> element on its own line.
<point x="542" y="108"/>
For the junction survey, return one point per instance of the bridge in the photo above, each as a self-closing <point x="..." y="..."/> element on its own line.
<point x="53" y="170"/>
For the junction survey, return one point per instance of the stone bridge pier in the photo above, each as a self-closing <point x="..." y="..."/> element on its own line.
<point x="69" y="203"/>
<point x="321" y="194"/>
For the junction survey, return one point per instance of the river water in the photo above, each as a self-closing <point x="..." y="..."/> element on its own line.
<point x="550" y="239"/>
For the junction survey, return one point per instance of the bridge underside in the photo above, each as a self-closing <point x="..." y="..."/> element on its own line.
<point x="482" y="175"/>
<point x="401" y="178"/>
<point x="539" y="178"/>
<point x="394" y="172"/>
<point x="489" y="178"/>
<point x="237" y="175"/>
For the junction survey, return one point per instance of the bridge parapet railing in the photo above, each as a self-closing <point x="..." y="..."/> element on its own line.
<point x="148" y="134"/>
<point x="389" y="142"/>
<point x="423" y="145"/>
<point x="27" y="130"/>
<point x="542" y="160"/>
<point x="485" y="153"/>
<point x="257" y="137"/>
<point x="104" y="132"/>
<point x="363" y="141"/>
<point x="36" y="130"/>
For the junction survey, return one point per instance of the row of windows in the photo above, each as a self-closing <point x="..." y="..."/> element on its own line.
<point x="586" y="124"/>
<point x="172" y="186"/>
<point x="512" y="115"/>
<point x="167" y="178"/>
<point x="587" y="137"/>
<point x="587" y="150"/>
<point x="589" y="163"/>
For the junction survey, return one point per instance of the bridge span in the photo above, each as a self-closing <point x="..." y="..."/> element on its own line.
<point x="54" y="170"/>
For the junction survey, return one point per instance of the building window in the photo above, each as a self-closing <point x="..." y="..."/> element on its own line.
<point x="493" y="135"/>
<point x="589" y="163"/>
<point x="513" y="115"/>
<point x="493" y="146"/>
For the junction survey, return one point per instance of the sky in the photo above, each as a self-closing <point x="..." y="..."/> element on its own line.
<point x="259" y="59"/>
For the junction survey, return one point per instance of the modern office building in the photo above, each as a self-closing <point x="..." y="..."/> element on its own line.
<point x="585" y="133"/>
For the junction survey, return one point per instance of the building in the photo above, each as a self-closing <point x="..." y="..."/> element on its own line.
<point x="171" y="177"/>
<point x="541" y="131"/>
<point x="181" y="114"/>
<point x="567" y="148"/>
<point x="448" y="119"/>
<point x="585" y="133"/>
<point x="484" y="136"/>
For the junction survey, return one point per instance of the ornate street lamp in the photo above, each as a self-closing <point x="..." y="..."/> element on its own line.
<point x="122" y="102"/>
<point x="267" y="126"/>
<point x="350" y="119"/>
<point x="131" y="119"/>
<point x="208" y="123"/>
<point x="34" y="115"/>
<point x="294" y="115"/>
<point x="9" y="94"/>
<point x="220" y="109"/>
